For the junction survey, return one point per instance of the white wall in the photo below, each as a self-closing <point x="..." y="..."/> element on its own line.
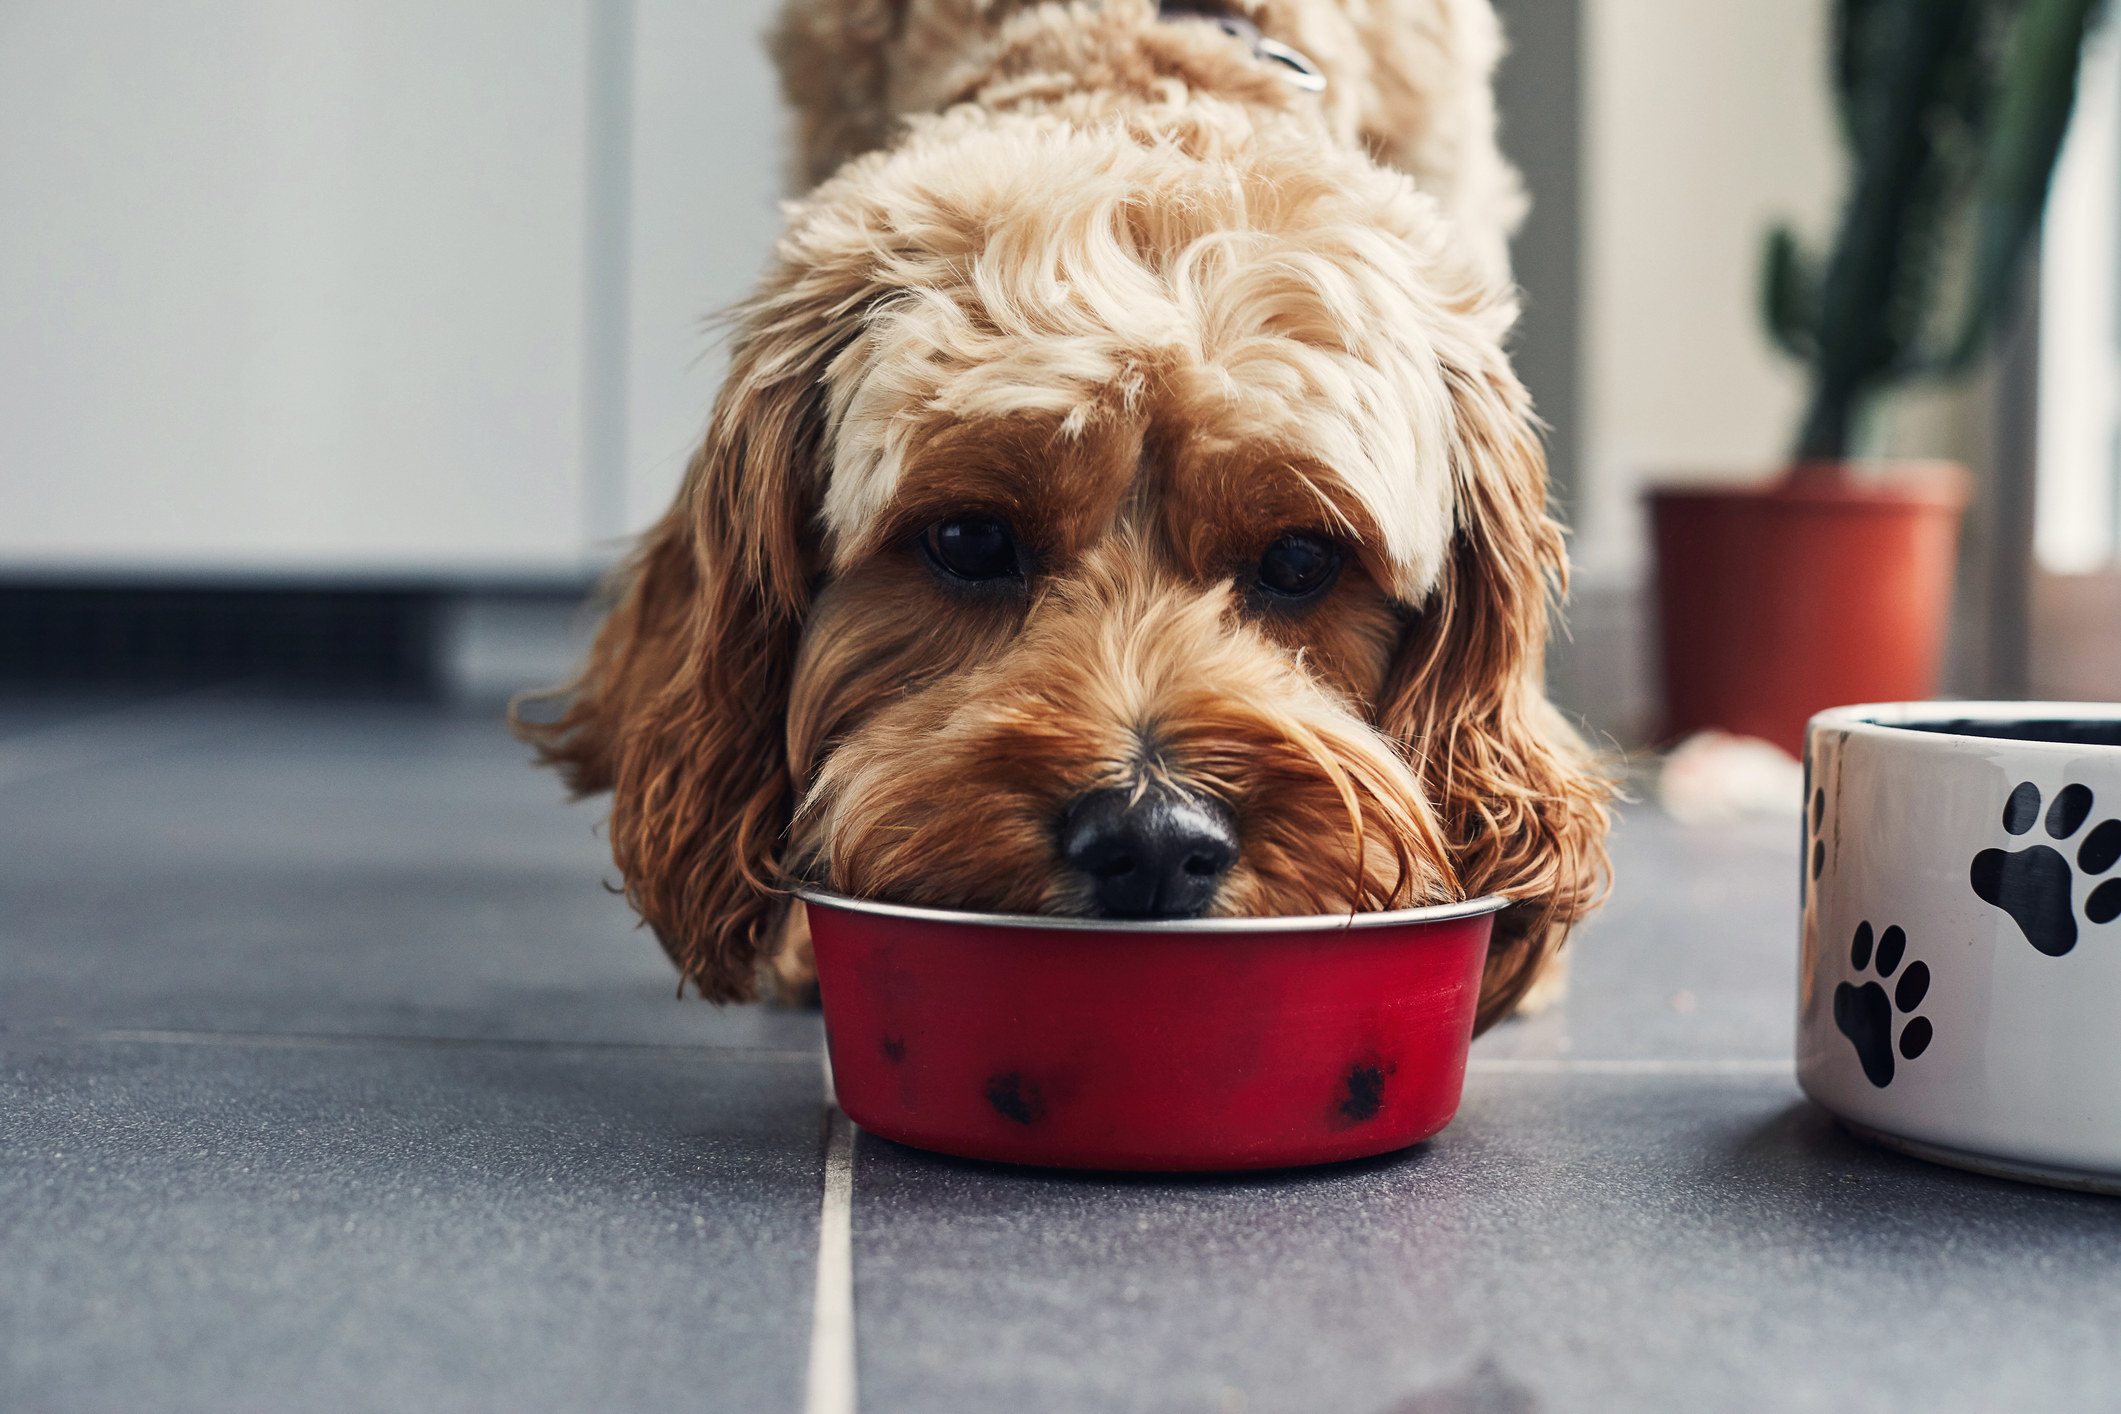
<point x="316" y="285"/>
<point x="306" y="286"/>
<point x="709" y="139"/>
<point x="2077" y="506"/>
<point x="1705" y="123"/>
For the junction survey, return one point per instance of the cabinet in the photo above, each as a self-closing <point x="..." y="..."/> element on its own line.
<point x="365" y="289"/>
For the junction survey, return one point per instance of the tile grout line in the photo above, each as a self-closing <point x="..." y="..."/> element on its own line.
<point x="1704" y="1067"/>
<point x="830" y="1388"/>
<point x="324" y="1041"/>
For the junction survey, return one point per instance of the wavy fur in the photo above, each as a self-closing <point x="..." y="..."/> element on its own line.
<point x="1130" y="292"/>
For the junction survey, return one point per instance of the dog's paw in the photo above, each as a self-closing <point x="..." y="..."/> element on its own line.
<point x="1549" y="990"/>
<point x="2036" y="885"/>
<point x="790" y="973"/>
<point x="1864" y="1011"/>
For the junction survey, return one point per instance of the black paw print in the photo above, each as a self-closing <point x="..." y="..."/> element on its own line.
<point x="2032" y="885"/>
<point x="1865" y="1014"/>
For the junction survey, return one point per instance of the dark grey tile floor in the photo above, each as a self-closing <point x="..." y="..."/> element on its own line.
<point x="331" y="1079"/>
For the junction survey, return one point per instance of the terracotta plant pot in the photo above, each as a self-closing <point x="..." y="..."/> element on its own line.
<point x="1826" y="587"/>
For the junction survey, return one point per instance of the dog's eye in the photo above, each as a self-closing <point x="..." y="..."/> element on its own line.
<point x="1298" y="565"/>
<point x="973" y="547"/>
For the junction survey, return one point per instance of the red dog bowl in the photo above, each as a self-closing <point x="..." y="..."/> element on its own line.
<point x="1221" y="1043"/>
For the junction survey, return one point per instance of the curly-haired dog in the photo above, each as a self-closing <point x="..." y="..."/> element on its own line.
<point x="1120" y="500"/>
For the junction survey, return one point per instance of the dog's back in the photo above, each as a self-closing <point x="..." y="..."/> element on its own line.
<point x="1409" y="80"/>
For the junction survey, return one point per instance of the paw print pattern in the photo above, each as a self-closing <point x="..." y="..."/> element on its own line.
<point x="2033" y="885"/>
<point x="1865" y="1013"/>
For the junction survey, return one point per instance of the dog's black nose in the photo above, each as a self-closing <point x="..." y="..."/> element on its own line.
<point x="1159" y="854"/>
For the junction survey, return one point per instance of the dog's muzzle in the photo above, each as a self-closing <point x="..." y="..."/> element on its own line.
<point x="1155" y="853"/>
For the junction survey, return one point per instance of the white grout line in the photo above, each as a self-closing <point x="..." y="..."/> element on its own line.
<point x="1557" y="1065"/>
<point x="318" y="1041"/>
<point x="1477" y="1065"/>
<point x="831" y="1385"/>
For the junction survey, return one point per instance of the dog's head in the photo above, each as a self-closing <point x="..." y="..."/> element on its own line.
<point x="1098" y="520"/>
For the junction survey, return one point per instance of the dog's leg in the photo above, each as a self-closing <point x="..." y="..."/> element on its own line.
<point x="791" y="967"/>
<point x="835" y="61"/>
<point x="852" y="69"/>
<point x="1549" y="989"/>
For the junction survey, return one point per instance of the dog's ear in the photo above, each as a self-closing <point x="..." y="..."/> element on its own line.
<point x="1522" y="799"/>
<point x="681" y="709"/>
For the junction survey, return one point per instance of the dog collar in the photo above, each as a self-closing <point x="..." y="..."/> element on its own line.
<point x="1296" y="66"/>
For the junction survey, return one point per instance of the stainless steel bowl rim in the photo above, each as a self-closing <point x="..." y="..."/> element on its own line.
<point x="1308" y="923"/>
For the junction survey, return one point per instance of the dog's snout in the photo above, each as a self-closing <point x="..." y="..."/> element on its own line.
<point x="1153" y="854"/>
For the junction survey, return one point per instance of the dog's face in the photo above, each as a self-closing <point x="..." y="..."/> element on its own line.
<point x="1130" y="669"/>
<point x="1096" y="522"/>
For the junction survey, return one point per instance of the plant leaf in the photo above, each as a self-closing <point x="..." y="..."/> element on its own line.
<point x="2038" y="94"/>
<point x="1789" y="295"/>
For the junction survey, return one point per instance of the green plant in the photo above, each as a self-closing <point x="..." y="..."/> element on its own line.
<point x="1952" y="111"/>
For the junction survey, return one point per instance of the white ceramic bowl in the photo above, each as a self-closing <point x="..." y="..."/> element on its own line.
<point x="1960" y="991"/>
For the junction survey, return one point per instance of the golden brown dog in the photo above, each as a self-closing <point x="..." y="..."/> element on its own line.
<point x="1120" y="500"/>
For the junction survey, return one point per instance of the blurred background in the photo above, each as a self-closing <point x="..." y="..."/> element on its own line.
<point x="344" y="343"/>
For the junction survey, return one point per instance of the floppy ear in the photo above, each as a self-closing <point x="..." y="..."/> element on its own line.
<point x="1521" y="797"/>
<point x="681" y="709"/>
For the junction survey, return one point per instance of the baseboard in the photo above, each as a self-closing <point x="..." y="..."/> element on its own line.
<point x="491" y="647"/>
<point x="92" y="636"/>
<point x="477" y="647"/>
<point x="482" y="647"/>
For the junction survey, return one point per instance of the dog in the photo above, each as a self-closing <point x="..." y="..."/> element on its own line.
<point x="1119" y="502"/>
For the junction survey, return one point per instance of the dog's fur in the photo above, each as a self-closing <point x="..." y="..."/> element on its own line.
<point x="1120" y="284"/>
